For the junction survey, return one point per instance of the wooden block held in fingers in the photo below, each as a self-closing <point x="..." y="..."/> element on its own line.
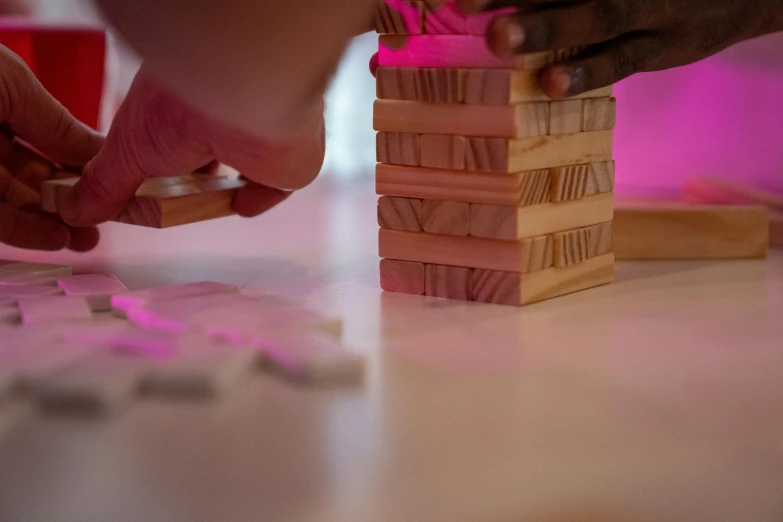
<point x="579" y="245"/>
<point x="510" y="86"/>
<point x="399" y="213"/>
<point x="500" y="121"/>
<point x="675" y="231"/>
<point x="402" y="277"/>
<point x="399" y="17"/>
<point x="448" y="282"/>
<point x="578" y="181"/>
<point x="512" y="223"/>
<point x="398" y="148"/>
<point x="445" y="217"/>
<point x="442" y="151"/>
<point x="566" y="116"/>
<point x="527" y="255"/>
<point x="600" y="114"/>
<point x="489" y="286"/>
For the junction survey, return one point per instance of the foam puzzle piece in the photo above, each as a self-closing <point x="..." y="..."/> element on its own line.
<point x="97" y="289"/>
<point x="402" y="277"/>
<point x="48" y="309"/>
<point x="124" y="302"/>
<point x="34" y="269"/>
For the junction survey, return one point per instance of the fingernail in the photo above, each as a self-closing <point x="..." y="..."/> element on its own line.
<point x="561" y="81"/>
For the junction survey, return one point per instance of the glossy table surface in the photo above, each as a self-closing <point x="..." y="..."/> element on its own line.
<point x="658" y="398"/>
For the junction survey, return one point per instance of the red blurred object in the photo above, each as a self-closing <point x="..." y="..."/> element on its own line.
<point x="69" y="61"/>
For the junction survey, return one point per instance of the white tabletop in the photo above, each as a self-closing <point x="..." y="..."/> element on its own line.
<point x="658" y="398"/>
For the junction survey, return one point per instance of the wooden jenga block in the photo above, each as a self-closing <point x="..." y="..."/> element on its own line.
<point x="714" y="191"/>
<point x="511" y="288"/>
<point x="578" y="181"/>
<point x="579" y="245"/>
<point x="445" y="217"/>
<point x="399" y="213"/>
<point x="675" y="231"/>
<point x="566" y="116"/>
<point x="399" y="17"/>
<point x="448" y="282"/>
<point x="440" y="85"/>
<point x="501" y="121"/>
<point x="442" y="151"/>
<point x="509" y="86"/>
<point x="27" y="166"/>
<point x="442" y="17"/>
<point x="599" y="114"/>
<point x="513" y="223"/>
<point x="397" y="83"/>
<point x="398" y="148"/>
<point x="402" y="277"/>
<point x="456" y="50"/>
<point x="527" y="255"/>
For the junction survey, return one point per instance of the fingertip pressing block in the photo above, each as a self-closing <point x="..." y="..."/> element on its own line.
<point x="97" y="289"/>
<point x="41" y="310"/>
<point x="122" y="303"/>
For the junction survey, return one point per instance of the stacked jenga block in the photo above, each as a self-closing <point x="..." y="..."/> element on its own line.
<point x="490" y="191"/>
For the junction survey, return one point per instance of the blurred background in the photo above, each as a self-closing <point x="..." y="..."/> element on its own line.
<point x="721" y="117"/>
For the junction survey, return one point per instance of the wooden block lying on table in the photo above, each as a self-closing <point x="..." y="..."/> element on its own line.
<point x="526" y="255"/>
<point x="97" y="289"/>
<point x="515" y="289"/>
<point x="399" y="17"/>
<point x="674" y="231"/>
<point x="124" y="302"/>
<point x="721" y="192"/>
<point x="577" y="246"/>
<point x="161" y="207"/>
<point x="500" y="121"/>
<point x="403" y="277"/>
<point x="399" y="213"/>
<point x="512" y="223"/>
<point x="517" y="189"/>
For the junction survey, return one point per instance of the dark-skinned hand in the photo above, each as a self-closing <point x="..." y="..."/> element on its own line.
<point x="622" y="37"/>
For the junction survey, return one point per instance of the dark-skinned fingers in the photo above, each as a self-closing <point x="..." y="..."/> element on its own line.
<point x="253" y="199"/>
<point x="604" y="64"/>
<point x="32" y="231"/>
<point x="84" y="239"/>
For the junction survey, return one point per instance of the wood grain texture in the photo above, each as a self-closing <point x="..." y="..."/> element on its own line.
<point x="442" y="151"/>
<point x="445" y="217"/>
<point x="399" y="213"/>
<point x="516" y="289"/>
<point x="398" y="148"/>
<point x="448" y="282"/>
<point x="566" y="116"/>
<point x="402" y="277"/>
<point x="578" y="181"/>
<point x="560" y="150"/>
<point x="397" y="83"/>
<point x="509" y="86"/>
<point x="514" y="223"/>
<point x="440" y="85"/>
<point x="527" y="255"/>
<point x="399" y="17"/>
<point x="579" y="245"/>
<point x="672" y="231"/>
<point x="442" y="17"/>
<point x="599" y="114"/>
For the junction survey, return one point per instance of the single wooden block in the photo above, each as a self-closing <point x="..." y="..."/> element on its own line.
<point x="527" y="255"/>
<point x="721" y="192"/>
<point x="445" y="217"/>
<point x="510" y="86"/>
<point x="566" y="116"/>
<point x="577" y="246"/>
<point x="47" y="309"/>
<point x="399" y="17"/>
<point x="398" y="148"/>
<point x="97" y="289"/>
<point x="514" y="289"/>
<point x="518" y="189"/>
<point x="402" y="277"/>
<point x="397" y="83"/>
<point x="34" y="269"/>
<point x="442" y="17"/>
<point x="124" y="302"/>
<point x="399" y="213"/>
<point x="501" y="121"/>
<point x="513" y="223"/>
<point x="675" y="231"/>
<point x="440" y="85"/>
<point x="448" y="282"/>
<point x="451" y="51"/>
<point x="578" y="181"/>
<point x="599" y="114"/>
<point x="442" y="151"/>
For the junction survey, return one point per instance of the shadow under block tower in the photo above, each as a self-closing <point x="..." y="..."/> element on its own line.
<point x="490" y="191"/>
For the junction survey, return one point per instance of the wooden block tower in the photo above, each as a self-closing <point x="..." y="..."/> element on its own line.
<point x="490" y="191"/>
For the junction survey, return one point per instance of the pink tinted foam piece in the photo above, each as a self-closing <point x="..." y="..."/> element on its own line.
<point x="15" y="292"/>
<point x="27" y="279"/>
<point x="453" y="50"/>
<point x="98" y="289"/>
<point x="311" y="357"/>
<point x="410" y="14"/>
<point x="129" y="300"/>
<point x="478" y="24"/>
<point x="42" y="310"/>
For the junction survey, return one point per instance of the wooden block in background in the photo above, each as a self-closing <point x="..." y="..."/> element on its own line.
<point x="97" y="289"/>
<point x="399" y="17"/>
<point x="566" y="116"/>
<point x="398" y="148"/>
<point x="508" y="288"/>
<point x="513" y="223"/>
<point x="399" y="213"/>
<point x="527" y="255"/>
<point x="599" y="114"/>
<point x="442" y="151"/>
<point x="402" y="277"/>
<point x="578" y="181"/>
<point x="448" y="282"/>
<point x="445" y="217"/>
<point x="676" y="231"/>
<point x="493" y="121"/>
<point x="577" y="246"/>
<point x="420" y="85"/>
